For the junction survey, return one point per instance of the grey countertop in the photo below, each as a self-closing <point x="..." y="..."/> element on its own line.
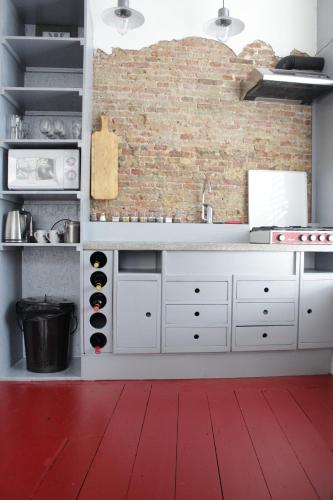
<point x="203" y="246"/>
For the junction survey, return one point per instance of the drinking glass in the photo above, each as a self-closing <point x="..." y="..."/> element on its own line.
<point x="76" y="129"/>
<point x="59" y="128"/>
<point x="46" y="128"/>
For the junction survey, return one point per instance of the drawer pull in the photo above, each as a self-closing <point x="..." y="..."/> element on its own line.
<point x="148" y="314"/>
<point x="266" y="290"/>
<point x="309" y="311"/>
<point x="197" y="290"/>
<point x="196" y="336"/>
<point x="265" y="312"/>
<point x="264" y="335"/>
<point x="196" y="313"/>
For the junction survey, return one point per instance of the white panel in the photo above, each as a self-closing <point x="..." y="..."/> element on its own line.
<point x="265" y="312"/>
<point x="316" y="315"/>
<point x="266" y="289"/>
<point x="195" y="339"/>
<point x="277" y="198"/>
<point x="138" y="316"/>
<point x="196" y="315"/>
<point x="265" y="337"/>
<point x="197" y="291"/>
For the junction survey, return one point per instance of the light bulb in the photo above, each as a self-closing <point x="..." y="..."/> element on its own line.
<point x="122" y="25"/>
<point x="222" y="33"/>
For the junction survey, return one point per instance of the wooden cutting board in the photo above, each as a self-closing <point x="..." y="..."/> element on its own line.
<point x="104" y="163"/>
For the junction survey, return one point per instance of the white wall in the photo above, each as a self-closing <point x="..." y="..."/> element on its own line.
<point x="285" y="24"/>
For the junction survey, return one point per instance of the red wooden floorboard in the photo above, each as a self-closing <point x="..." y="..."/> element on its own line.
<point x="167" y="440"/>
<point x="197" y="471"/>
<point x="110" y="473"/>
<point x="154" y="471"/>
<point x="308" y="445"/>
<point x="320" y="415"/>
<point x="240" y="471"/>
<point x="285" y="476"/>
<point x="90" y="418"/>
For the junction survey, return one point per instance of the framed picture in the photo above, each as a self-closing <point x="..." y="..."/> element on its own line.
<point x="54" y="31"/>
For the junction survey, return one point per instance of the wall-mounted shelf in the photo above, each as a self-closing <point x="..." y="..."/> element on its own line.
<point x="4" y="246"/>
<point x="40" y="143"/>
<point x="51" y="12"/>
<point x="39" y="195"/>
<point x="48" y="52"/>
<point x="44" y="98"/>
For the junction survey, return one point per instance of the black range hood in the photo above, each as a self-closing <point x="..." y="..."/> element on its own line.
<point x="295" y="79"/>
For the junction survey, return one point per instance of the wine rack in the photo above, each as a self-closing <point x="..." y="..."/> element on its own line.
<point x="98" y="269"/>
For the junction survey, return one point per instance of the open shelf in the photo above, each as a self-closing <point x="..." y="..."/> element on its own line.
<point x="39" y="52"/>
<point x="139" y="262"/>
<point x="20" y="372"/>
<point x="40" y="195"/>
<point x="318" y="263"/>
<point x="51" y="11"/>
<point x="40" y="143"/>
<point x="76" y="246"/>
<point x="44" y="98"/>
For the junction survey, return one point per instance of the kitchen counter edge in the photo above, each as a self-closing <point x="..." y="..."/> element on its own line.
<point x="202" y="246"/>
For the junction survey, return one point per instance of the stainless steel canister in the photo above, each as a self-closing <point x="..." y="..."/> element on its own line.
<point x="72" y="231"/>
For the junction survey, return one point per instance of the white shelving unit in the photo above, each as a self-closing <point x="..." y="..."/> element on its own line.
<point x="43" y="77"/>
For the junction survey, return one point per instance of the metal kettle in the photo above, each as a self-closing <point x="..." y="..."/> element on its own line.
<point x="18" y="228"/>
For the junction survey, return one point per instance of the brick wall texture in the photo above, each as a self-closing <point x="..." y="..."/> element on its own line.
<point x="176" y="109"/>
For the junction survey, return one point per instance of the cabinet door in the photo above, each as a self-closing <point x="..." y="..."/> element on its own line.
<point x="316" y="315"/>
<point x="138" y="317"/>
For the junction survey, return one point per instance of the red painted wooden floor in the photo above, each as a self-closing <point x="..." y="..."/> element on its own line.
<point x="241" y="439"/>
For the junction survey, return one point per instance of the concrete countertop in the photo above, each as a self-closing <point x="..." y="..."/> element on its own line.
<point x="203" y="246"/>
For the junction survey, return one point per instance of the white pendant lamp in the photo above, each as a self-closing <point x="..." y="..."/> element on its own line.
<point x="122" y="17"/>
<point x="224" y="26"/>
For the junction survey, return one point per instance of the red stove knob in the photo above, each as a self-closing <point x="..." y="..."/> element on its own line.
<point x="312" y="237"/>
<point x="321" y="237"/>
<point x="303" y="237"/>
<point x="330" y="237"/>
<point x="281" y="237"/>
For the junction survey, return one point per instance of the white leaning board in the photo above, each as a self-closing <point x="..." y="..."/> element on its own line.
<point x="277" y="198"/>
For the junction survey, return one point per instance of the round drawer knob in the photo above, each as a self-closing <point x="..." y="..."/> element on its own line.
<point x="264" y="335"/>
<point x="148" y="314"/>
<point x="196" y="336"/>
<point x="266" y="290"/>
<point x="309" y="311"/>
<point x="197" y="290"/>
<point x="265" y="312"/>
<point x="196" y="313"/>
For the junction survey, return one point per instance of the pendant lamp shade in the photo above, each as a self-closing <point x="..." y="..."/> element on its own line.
<point x="122" y="17"/>
<point x="223" y="26"/>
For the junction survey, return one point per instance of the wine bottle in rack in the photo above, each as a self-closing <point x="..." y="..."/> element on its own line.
<point x="98" y="280"/>
<point x="98" y="341"/>
<point x="98" y="260"/>
<point x="97" y="301"/>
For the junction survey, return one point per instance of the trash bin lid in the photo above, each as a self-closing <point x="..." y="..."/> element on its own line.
<point x="44" y="304"/>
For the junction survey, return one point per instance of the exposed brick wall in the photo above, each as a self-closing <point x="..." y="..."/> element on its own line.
<point x="176" y="108"/>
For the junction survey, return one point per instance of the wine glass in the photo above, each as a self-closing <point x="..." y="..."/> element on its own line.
<point x="45" y="127"/>
<point x="59" y="128"/>
<point x="76" y="129"/>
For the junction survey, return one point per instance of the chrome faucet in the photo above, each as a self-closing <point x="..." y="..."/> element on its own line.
<point x="206" y="210"/>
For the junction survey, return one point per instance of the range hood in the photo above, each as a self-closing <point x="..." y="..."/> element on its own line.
<point x="293" y="85"/>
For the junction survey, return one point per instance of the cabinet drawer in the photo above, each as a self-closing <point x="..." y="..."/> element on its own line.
<point x="195" y="339"/>
<point x="196" y="315"/>
<point x="265" y="336"/>
<point x="197" y="291"/>
<point x="265" y="312"/>
<point x="266" y="290"/>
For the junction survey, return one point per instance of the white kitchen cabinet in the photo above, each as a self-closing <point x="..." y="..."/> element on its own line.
<point x="196" y="313"/>
<point x="316" y="313"/>
<point x="269" y="324"/>
<point x="137" y="314"/>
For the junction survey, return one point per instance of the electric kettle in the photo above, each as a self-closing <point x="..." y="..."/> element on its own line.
<point x="18" y="228"/>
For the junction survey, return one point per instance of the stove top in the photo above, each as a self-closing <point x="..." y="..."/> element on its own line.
<point x="292" y="235"/>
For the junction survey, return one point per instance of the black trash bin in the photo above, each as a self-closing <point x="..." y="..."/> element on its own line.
<point x="47" y="323"/>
